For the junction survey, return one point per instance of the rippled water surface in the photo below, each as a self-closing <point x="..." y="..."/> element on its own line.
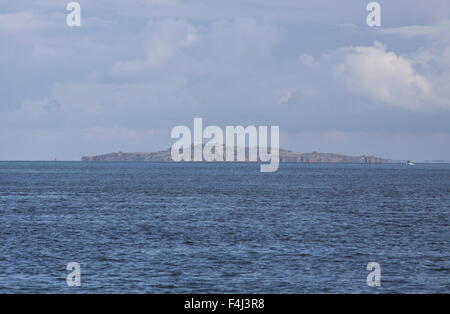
<point x="223" y="228"/>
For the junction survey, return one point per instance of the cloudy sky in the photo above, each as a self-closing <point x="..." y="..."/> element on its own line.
<point x="137" y="68"/>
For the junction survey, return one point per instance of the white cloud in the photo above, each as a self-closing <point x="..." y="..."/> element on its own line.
<point x="391" y="78"/>
<point x="440" y="28"/>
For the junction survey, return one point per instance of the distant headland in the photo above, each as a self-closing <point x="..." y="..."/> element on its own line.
<point x="285" y="156"/>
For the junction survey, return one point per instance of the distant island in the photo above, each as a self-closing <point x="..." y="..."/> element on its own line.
<point x="285" y="156"/>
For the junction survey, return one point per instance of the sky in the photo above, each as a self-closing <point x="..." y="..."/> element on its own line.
<point x="135" y="69"/>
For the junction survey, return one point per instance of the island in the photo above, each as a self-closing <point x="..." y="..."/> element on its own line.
<point x="285" y="156"/>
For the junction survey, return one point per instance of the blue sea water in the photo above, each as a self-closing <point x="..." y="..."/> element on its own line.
<point x="223" y="228"/>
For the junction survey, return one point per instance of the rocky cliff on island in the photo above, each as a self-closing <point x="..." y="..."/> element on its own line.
<point x="285" y="156"/>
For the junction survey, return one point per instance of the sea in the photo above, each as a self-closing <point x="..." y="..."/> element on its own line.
<point x="224" y="228"/>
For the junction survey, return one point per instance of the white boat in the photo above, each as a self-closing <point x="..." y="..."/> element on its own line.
<point x="409" y="163"/>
